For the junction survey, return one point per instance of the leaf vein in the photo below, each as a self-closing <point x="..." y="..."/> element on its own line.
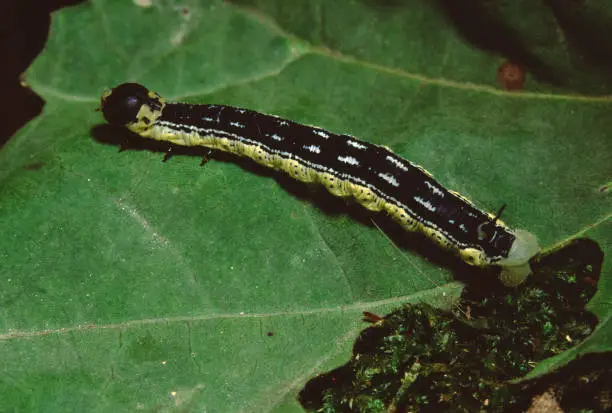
<point x="357" y="307"/>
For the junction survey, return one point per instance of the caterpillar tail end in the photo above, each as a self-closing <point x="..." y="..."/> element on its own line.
<point x="516" y="268"/>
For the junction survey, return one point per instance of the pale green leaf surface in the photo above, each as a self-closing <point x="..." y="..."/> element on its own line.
<point x="129" y="284"/>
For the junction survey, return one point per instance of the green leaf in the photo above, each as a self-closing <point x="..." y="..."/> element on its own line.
<point x="131" y="284"/>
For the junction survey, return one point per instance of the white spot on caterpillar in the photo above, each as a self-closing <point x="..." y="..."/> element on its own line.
<point x="320" y="133"/>
<point x="434" y="189"/>
<point x="389" y="178"/>
<point x="348" y="160"/>
<point x="237" y="124"/>
<point x="356" y="144"/>
<point x="426" y="204"/>
<point x="397" y="163"/>
<point x="275" y="137"/>
<point x="208" y="119"/>
<point x="240" y="110"/>
<point x="313" y="148"/>
<point x="283" y="123"/>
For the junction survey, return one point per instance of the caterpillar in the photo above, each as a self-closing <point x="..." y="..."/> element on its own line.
<point x="373" y="175"/>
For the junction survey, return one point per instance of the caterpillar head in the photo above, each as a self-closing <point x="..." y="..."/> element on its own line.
<point x="131" y="105"/>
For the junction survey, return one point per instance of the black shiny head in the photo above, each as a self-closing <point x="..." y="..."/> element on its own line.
<point x="122" y="104"/>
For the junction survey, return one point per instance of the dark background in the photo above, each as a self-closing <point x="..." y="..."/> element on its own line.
<point x="24" y="26"/>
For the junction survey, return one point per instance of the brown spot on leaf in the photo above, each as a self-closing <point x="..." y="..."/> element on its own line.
<point x="511" y="76"/>
<point x="369" y="317"/>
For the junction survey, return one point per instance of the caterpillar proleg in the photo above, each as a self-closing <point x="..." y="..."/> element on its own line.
<point x="376" y="177"/>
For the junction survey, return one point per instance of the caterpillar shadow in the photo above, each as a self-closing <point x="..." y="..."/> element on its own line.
<point x="314" y="194"/>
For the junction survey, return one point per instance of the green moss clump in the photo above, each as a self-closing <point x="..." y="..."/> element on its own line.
<point x="419" y="358"/>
